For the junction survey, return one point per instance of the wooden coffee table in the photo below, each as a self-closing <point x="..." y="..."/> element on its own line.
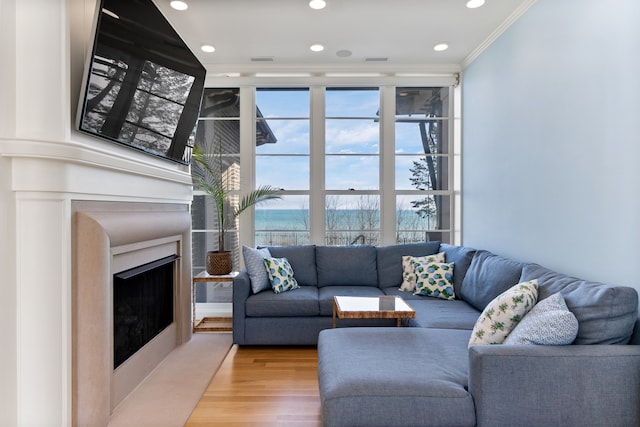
<point x="383" y="307"/>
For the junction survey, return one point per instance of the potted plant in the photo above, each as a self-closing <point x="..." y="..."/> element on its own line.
<point x="209" y="177"/>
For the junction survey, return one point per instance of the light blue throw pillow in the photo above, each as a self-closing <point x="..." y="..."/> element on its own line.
<point x="280" y="275"/>
<point x="548" y="323"/>
<point x="254" y="262"/>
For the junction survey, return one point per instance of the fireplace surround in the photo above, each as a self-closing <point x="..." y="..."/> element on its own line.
<point x="108" y="238"/>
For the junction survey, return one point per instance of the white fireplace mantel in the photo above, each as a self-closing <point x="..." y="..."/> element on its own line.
<point x="94" y="168"/>
<point x="48" y="178"/>
<point x="43" y="182"/>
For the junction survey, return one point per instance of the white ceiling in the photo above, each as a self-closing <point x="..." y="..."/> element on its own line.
<point x="404" y="31"/>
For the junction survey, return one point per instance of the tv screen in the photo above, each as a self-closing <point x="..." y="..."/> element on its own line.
<point x="143" y="85"/>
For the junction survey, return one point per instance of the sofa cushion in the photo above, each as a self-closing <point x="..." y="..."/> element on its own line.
<point x="548" y="323"/>
<point x="606" y="314"/>
<point x="389" y="260"/>
<point x="280" y="275"/>
<point x="346" y="265"/>
<point x="434" y="279"/>
<point x="442" y="314"/>
<point x="302" y="259"/>
<point x="502" y="314"/>
<point x="461" y="256"/>
<point x="326" y="294"/>
<point x="366" y="378"/>
<point x="254" y="262"/>
<point x="409" y="269"/>
<point x="299" y="302"/>
<point x="488" y="276"/>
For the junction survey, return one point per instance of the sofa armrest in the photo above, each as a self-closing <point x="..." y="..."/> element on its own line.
<point x="575" y="385"/>
<point x="241" y="291"/>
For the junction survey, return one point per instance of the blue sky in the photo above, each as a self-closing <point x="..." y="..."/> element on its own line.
<point x="358" y="139"/>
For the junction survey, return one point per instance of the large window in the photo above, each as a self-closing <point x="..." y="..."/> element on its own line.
<point x="422" y="164"/>
<point x="355" y="165"/>
<point x="283" y="161"/>
<point x="352" y="166"/>
<point x="218" y="132"/>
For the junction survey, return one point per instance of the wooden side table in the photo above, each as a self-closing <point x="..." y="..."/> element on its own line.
<point x="205" y="277"/>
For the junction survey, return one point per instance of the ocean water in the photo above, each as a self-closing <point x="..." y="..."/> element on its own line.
<point x="339" y="219"/>
<point x="347" y="227"/>
<point x="282" y="219"/>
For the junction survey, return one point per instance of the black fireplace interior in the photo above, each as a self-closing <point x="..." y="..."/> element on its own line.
<point x="142" y="305"/>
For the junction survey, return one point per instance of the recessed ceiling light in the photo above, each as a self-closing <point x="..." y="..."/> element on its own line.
<point x="344" y="53"/>
<point x="316" y="47"/>
<point x="179" y="5"/>
<point x="317" y="4"/>
<point x="440" y="47"/>
<point x="472" y="4"/>
<point x="207" y="48"/>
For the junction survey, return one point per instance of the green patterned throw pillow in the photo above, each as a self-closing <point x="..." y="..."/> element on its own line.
<point x="434" y="279"/>
<point x="280" y="275"/>
<point x="408" y="271"/>
<point x="502" y="314"/>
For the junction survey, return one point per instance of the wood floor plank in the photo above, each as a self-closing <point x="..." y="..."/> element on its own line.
<point x="262" y="386"/>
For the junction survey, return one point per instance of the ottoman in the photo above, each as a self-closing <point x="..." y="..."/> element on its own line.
<point x="394" y="377"/>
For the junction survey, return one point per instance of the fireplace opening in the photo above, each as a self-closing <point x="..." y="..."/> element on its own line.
<point x="142" y="305"/>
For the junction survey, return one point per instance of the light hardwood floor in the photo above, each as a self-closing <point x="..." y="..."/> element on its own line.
<point x="256" y="386"/>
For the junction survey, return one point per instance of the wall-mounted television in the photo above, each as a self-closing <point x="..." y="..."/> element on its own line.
<point x="142" y="85"/>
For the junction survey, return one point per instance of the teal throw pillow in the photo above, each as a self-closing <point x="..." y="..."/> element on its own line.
<point x="434" y="279"/>
<point x="280" y="275"/>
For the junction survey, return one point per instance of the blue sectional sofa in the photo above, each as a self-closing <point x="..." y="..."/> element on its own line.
<point x="297" y="317"/>
<point x="427" y="375"/>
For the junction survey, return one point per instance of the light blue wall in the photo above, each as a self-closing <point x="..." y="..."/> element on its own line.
<point x="551" y="141"/>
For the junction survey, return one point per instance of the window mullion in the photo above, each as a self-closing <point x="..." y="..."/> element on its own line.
<point x="387" y="165"/>
<point x="456" y="165"/>
<point x="246" y="228"/>
<point x="317" y="169"/>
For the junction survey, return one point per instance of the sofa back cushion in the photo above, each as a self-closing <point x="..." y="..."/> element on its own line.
<point x="461" y="256"/>
<point x="389" y="260"/>
<point x="488" y="276"/>
<point x="606" y="314"/>
<point x="346" y="265"/>
<point x="302" y="259"/>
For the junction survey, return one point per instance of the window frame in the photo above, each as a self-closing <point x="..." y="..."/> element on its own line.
<point x="387" y="156"/>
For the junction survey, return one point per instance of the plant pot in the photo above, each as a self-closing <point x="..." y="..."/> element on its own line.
<point x="219" y="263"/>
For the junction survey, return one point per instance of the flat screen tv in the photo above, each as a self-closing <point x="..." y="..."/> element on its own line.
<point x="142" y="85"/>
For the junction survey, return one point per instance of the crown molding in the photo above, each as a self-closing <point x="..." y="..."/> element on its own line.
<point x="301" y="74"/>
<point x="511" y="19"/>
